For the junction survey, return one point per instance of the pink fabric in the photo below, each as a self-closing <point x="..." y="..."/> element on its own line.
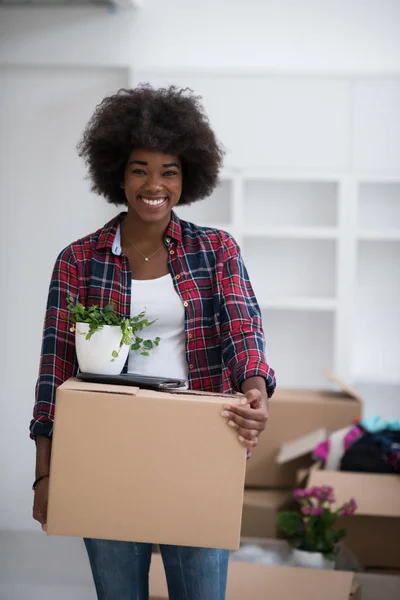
<point x="321" y="451"/>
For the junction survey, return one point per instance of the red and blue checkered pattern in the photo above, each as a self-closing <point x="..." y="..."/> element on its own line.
<point x="224" y="336"/>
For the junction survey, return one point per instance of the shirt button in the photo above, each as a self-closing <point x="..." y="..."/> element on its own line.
<point x="186" y="304"/>
<point x="177" y="277"/>
<point x="190" y="366"/>
<point x="172" y="251"/>
<point x="168" y="240"/>
<point x="190" y="336"/>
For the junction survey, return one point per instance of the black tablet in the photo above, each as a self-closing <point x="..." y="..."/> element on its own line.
<point x="143" y="381"/>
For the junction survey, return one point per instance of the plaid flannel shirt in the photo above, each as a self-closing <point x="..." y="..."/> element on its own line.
<point x="224" y="336"/>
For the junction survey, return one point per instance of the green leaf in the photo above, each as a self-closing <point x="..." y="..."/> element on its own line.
<point x="290" y="523"/>
<point x="145" y="354"/>
<point x="114" y="354"/>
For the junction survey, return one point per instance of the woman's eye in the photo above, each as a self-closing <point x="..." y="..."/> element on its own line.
<point x="170" y="173"/>
<point x="138" y="172"/>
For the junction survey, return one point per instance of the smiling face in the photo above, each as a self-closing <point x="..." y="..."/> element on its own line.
<point x="152" y="184"/>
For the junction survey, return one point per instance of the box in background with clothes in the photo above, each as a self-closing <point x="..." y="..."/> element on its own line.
<point x="373" y="532"/>
<point x="295" y="413"/>
<point x="145" y="466"/>
<point x="248" y="581"/>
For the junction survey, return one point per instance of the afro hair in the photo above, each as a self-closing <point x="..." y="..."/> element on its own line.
<point x="169" y="120"/>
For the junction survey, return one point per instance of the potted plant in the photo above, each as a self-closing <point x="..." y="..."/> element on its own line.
<point x="103" y="338"/>
<point x="311" y="530"/>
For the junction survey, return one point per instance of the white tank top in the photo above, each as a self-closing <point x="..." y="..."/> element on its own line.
<point x="160" y="301"/>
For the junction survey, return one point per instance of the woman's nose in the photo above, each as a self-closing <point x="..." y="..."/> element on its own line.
<point x="154" y="182"/>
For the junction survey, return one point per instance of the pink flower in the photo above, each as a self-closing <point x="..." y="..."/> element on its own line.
<point x="349" y="508"/>
<point x="317" y="511"/>
<point x="298" y="494"/>
<point x="306" y="510"/>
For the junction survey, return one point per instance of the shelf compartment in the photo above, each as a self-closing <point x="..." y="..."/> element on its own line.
<point x="284" y="268"/>
<point x="296" y="233"/>
<point x="301" y="303"/>
<point x="380" y="236"/>
<point x="217" y="209"/>
<point x="379" y="207"/>
<point x="377" y="312"/>
<point x="299" y="346"/>
<point x="280" y="203"/>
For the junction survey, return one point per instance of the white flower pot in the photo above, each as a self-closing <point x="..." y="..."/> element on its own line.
<point x="311" y="560"/>
<point x="95" y="355"/>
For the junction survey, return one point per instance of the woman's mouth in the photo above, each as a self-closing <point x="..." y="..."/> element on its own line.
<point x="154" y="202"/>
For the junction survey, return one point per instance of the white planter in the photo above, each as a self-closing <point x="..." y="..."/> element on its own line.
<point x="311" y="560"/>
<point x="95" y="355"/>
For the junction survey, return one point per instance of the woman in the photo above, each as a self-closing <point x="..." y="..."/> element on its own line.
<point x="150" y="150"/>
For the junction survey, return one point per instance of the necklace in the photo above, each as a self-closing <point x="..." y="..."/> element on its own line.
<point x="146" y="258"/>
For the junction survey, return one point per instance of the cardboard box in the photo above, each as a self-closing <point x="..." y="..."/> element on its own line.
<point x="145" y="466"/>
<point x="260" y="508"/>
<point x="373" y="533"/>
<point x="294" y="413"/>
<point x="247" y="581"/>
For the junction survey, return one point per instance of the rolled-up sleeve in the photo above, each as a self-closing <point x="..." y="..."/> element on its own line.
<point x="243" y="341"/>
<point x="58" y="358"/>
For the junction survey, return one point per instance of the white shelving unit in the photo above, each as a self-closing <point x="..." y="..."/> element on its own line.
<point x="325" y="265"/>
<point x="311" y="192"/>
<point x="289" y="233"/>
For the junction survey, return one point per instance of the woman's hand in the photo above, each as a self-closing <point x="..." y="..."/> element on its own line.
<point x="40" y="502"/>
<point x="249" y="418"/>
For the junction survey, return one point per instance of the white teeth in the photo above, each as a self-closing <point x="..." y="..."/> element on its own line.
<point x="157" y="202"/>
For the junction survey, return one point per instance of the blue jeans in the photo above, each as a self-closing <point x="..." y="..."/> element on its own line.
<point x="121" y="570"/>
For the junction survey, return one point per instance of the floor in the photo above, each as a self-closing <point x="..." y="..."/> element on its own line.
<point x="36" y="567"/>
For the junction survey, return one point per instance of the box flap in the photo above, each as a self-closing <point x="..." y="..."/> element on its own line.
<point x="226" y="397"/>
<point x="376" y="495"/>
<point x="257" y="582"/>
<point x="344" y="387"/>
<point x="300" y="446"/>
<point x="343" y="390"/>
<point x="76" y="385"/>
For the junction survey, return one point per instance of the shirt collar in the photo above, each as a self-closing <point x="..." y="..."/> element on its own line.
<point x="174" y="229"/>
<point x="107" y="233"/>
<point x="110" y="234"/>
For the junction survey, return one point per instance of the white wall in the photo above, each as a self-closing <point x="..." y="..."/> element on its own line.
<point x="333" y="35"/>
<point x="45" y="204"/>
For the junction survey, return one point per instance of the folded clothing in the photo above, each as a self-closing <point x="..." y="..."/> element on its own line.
<point x="331" y="450"/>
<point x="375" y="424"/>
<point x="373" y="453"/>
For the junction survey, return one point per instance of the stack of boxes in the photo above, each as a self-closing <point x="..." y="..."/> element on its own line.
<point x="300" y="419"/>
<point x="162" y="467"/>
<point x="294" y="413"/>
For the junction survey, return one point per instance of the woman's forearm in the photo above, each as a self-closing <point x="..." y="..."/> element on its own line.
<point x="255" y="383"/>
<point x="43" y="455"/>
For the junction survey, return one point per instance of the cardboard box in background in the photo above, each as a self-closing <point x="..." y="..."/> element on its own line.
<point x="260" y="508"/>
<point x="145" y="466"/>
<point x="294" y="413"/>
<point x="247" y="581"/>
<point x="373" y="533"/>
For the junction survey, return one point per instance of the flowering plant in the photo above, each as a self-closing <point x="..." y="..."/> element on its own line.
<point x="312" y="528"/>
